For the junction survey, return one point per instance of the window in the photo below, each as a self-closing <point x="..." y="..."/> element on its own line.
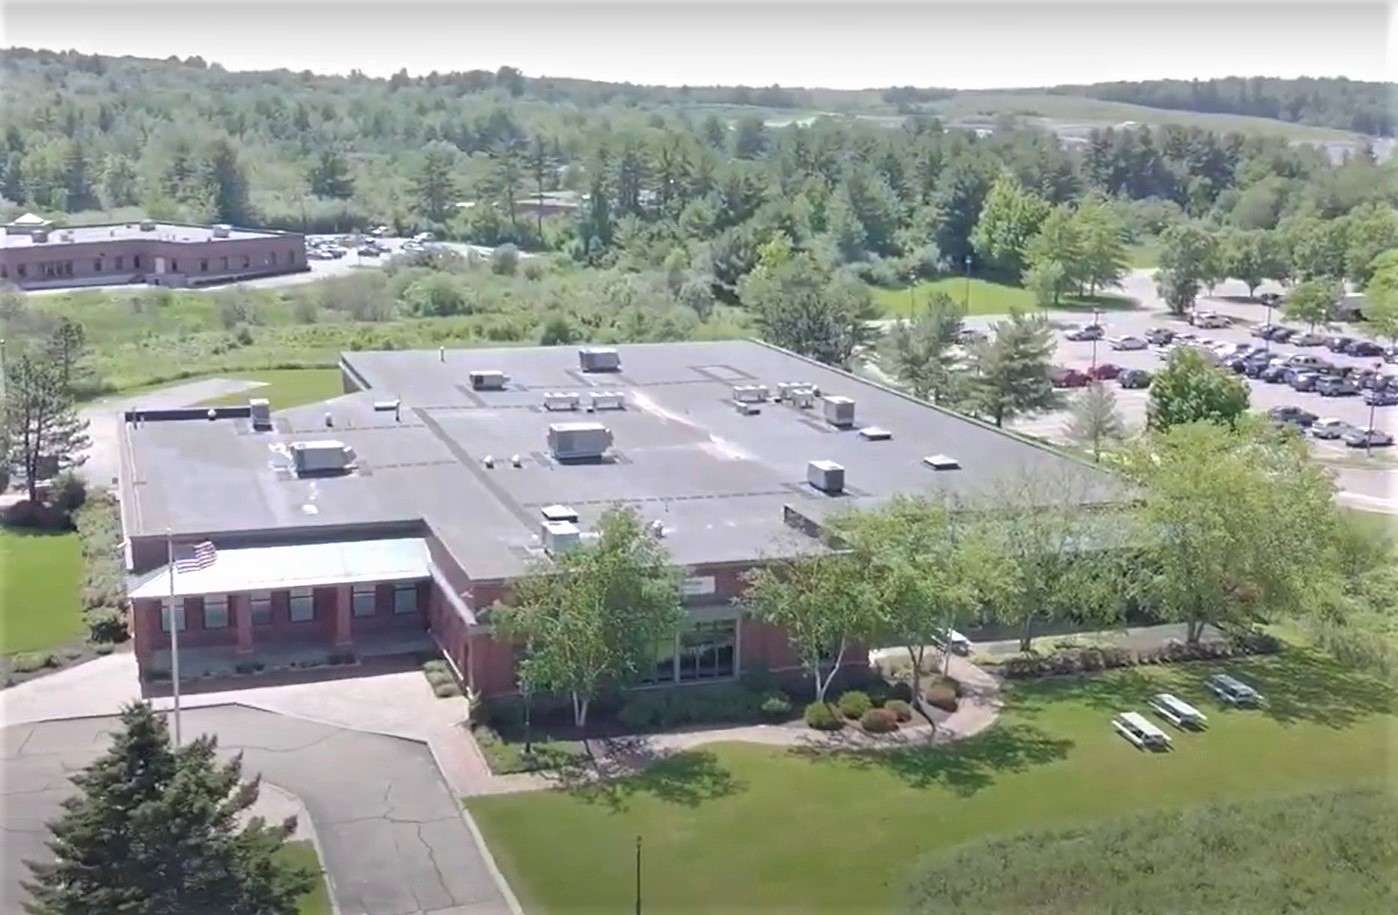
<point x="97" y="265"/>
<point x="261" y="603"/>
<point x="136" y="261"/>
<point x="663" y="668"/>
<point x="4" y="271"/>
<point x="120" y="262"/>
<point x="203" y="265"/>
<point x="302" y="605"/>
<point x="216" y="611"/>
<point x="225" y="263"/>
<point x="165" y="617"/>
<point x="20" y="270"/>
<point x="707" y="650"/>
<point x="291" y="256"/>
<point x="174" y="266"/>
<point x="405" y="598"/>
<point x="365" y="600"/>
<point x="247" y="262"/>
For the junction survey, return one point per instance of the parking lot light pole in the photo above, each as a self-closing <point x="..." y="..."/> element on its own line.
<point x="968" y="284"/>
<point x="1369" y="433"/>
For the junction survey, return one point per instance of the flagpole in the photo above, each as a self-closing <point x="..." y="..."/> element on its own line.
<point x="174" y="632"/>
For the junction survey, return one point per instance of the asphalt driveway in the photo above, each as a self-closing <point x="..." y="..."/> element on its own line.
<point x="390" y="832"/>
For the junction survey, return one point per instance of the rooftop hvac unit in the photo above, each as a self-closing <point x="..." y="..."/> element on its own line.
<point x="599" y="359"/>
<point x="488" y="380"/>
<point x="387" y="406"/>
<point x="746" y="409"/>
<point x="875" y="433"/>
<point x="147" y="225"/>
<point x="579" y="441"/>
<point x="801" y="398"/>
<point x="325" y="456"/>
<point x="787" y="390"/>
<point x="560" y="536"/>
<point x="941" y="462"/>
<point x="560" y="400"/>
<point x="221" y="230"/>
<point x="261" y="411"/>
<point x="608" y="400"/>
<point x="750" y="393"/>
<point x="839" y="411"/>
<point x="560" y="513"/>
<point x="39" y="235"/>
<point x="827" y="476"/>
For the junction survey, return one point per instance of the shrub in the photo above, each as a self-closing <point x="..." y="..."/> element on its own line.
<point x="776" y="707"/>
<point x="71" y="653"/>
<point x="30" y="661"/>
<point x="643" y="712"/>
<point x="902" y="691"/>
<point x="69" y="492"/>
<point x="438" y="677"/>
<point x="533" y="270"/>
<point x="504" y="260"/>
<point x="941" y="696"/>
<point x="340" y="657"/>
<point x="878" y="721"/>
<point x="900" y="709"/>
<point x="446" y="690"/>
<point x="855" y="703"/>
<point x="106" y="625"/>
<point x="103" y="648"/>
<point x="758" y="678"/>
<point x="37" y="516"/>
<point x="879" y="691"/>
<point x="822" y="717"/>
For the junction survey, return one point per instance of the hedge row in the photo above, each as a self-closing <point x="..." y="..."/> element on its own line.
<point x="1085" y="660"/>
<point x="98" y="523"/>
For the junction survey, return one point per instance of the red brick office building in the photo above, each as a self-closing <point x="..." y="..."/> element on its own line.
<point x="397" y="516"/>
<point x="34" y="254"/>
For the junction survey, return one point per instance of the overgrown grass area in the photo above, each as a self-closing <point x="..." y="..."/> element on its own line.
<point x="303" y="853"/>
<point x="284" y="387"/>
<point x="40" y="577"/>
<point x="738" y="827"/>
<point x="987" y="297"/>
<point x="1334" y="852"/>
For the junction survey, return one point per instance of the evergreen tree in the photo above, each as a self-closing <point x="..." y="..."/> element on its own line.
<point x="1095" y="419"/>
<point x="329" y="176"/>
<point x="919" y="350"/>
<point x="153" y="830"/>
<point x="1009" y="373"/>
<point x="45" y="433"/>
<point x="228" y="184"/>
<point x="434" y="186"/>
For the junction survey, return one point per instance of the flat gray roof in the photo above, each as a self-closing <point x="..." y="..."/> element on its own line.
<point x="717" y="481"/>
<point x="163" y="231"/>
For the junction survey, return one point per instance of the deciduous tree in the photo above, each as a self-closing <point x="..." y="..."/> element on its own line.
<point x="1313" y="301"/>
<point x="1188" y="262"/>
<point x="1191" y="388"/>
<point x="799" y="305"/>
<point x="1010" y="218"/>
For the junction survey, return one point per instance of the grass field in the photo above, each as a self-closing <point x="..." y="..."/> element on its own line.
<point x="987" y="297"/>
<point x="317" y="901"/>
<point x="39" y="579"/>
<point x="738" y="827"/>
<point x="284" y="387"/>
<point x="1143" y="255"/>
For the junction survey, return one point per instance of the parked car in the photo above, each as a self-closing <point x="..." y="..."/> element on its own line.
<point x="1307" y="339"/>
<point x="1263" y="330"/>
<point x="1330" y="428"/>
<point x="1104" y="371"/>
<point x="1211" y="319"/>
<point x="1269" y="298"/>
<point x="1304" y="381"/>
<point x="1292" y="416"/>
<point x="1068" y="378"/>
<point x="1333" y="386"/>
<point x="1337" y="343"/>
<point x="1128" y="343"/>
<point x="953" y="641"/>
<point x="369" y="251"/>
<point x="1364" y="348"/>
<point x="1275" y="373"/>
<point x="1086" y="332"/>
<point x="1367" y="438"/>
<point x="379" y="231"/>
<point x="1282" y="334"/>
<point x="1381" y="397"/>
<point x="1133" y="378"/>
<point x="1308" y="361"/>
<point x="1160" y="335"/>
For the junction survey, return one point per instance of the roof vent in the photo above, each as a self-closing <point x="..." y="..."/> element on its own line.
<point x="839" y="411"/>
<point x="147" y="225"/>
<point x="560" y="400"/>
<point x="488" y="380"/>
<point x="579" y="441"/>
<point x="560" y="536"/>
<point x="221" y="230"/>
<point x="608" y="400"/>
<point x="65" y="236"/>
<point x="599" y="359"/>
<point x="827" y="476"/>
<point x="750" y="393"/>
<point x="325" y="456"/>
<point x="39" y="235"/>
<point x="261" y="411"/>
<point x="875" y="433"/>
<point x="559" y="513"/>
<point x="942" y="462"/>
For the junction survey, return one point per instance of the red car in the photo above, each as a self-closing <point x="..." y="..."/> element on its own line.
<point x="1104" y="372"/>
<point x="1069" y="378"/>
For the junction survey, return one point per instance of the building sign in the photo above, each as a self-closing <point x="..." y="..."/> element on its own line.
<point x="697" y="587"/>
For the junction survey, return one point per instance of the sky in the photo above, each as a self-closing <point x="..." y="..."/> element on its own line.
<point x="948" y="43"/>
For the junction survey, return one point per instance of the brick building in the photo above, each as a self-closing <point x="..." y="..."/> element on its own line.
<point x="403" y="510"/>
<point x="34" y="254"/>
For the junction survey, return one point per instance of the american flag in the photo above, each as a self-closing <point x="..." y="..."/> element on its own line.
<point x="196" y="557"/>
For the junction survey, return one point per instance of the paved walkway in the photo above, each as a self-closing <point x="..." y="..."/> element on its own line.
<point x="391" y="834"/>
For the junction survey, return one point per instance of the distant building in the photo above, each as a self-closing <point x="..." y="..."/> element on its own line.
<point x="35" y="254"/>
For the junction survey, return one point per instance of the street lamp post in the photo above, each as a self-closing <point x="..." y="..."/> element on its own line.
<point x="1369" y="433"/>
<point x="967" y="302"/>
<point x="912" y="302"/>
<point x="1267" y="340"/>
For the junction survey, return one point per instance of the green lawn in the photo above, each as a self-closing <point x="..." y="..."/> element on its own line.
<point x="317" y="901"/>
<point x="1144" y="254"/>
<point x="40" y="575"/>
<point x="987" y="298"/>
<point x="741" y="827"/>
<point x="284" y="387"/>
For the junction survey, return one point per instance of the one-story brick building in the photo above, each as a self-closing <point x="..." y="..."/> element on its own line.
<point x="404" y="509"/>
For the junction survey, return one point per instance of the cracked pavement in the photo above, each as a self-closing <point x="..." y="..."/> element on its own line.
<point x="391" y="837"/>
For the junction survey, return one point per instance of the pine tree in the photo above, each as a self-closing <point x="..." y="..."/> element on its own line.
<point x="919" y="350"/>
<point x="434" y="186"/>
<point x="1010" y="372"/>
<point x="45" y="433"/>
<point x="329" y="176"/>
<point x="155" y="831"/>
<point x="1095" y="419"/>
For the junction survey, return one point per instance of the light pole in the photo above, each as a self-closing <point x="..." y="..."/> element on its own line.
<point x="1369" y="433"/>
<point x="1267" y="340"/>
<point x="638" y="875"/>
<point x="912" y="302"/>
<point x="967" y="302"/>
